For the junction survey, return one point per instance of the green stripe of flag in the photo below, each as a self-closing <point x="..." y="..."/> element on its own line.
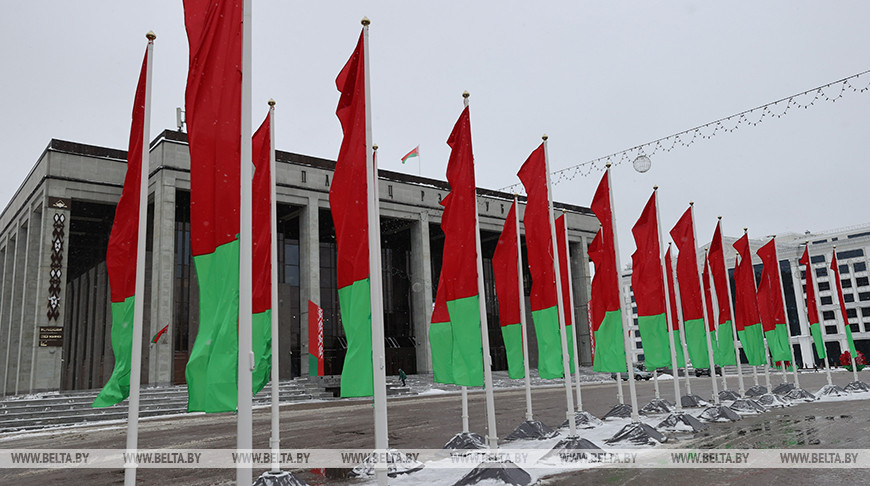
<point x="513" y="345"/>
<point x="212" y="377"/>
<point x="777" y="342"/>
<point x="118" y="386"/>
<point x="467" y="341"/>
<point x="441" y="343"/>
<point x="655" y="341"/>
<point x="696" y="343"/>
<point x="546" y="323"/>
<point x="356" y="318"/>
<point x="609" y="344"/>
<point x="816" y="331"/>
<point x="261" y="326"/>
<point x="753" y="345"/>
<point x="678" y="347"/>
<point x="724" y="352"/>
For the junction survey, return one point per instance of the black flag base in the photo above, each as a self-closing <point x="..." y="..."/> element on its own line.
<point x="584" y="420"/>
<point x="503" y="472"/>
<point x="466" y="440"/>
<point x="657" y="406"/>
<point x="692" y="401"/>
<point x="857" y="387"/>
<point x="728" y="396"/>
<point x="618" y="411"/>
<point x="756" y="391"/>
<point x="637" y="433"/>
<point x="397" y="463"/>
<point x="574" y="449"/>
<point x="280" y="478"/>
<point x="531" y="430"/>
<point x="799" y="394"/>
<point x="772" y="400"/>
<point x="747" y="406"/>
<point x="783" y="389"/>
<point x="673" y="421"/>
<point x="831" y="391"/>
<point x="719" y="413"/>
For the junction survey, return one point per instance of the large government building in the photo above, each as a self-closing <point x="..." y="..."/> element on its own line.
<point x="55" y="319"/>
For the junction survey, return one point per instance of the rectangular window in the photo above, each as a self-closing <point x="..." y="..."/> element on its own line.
<point x="803" y="274"/>
<point x="817" y="259"/>
<point x="824" y="286"/>
<point x="862" y="281"/>
<point x="826" y="300"/>
<point x="850" y="313"/>
<point x="822" y="272"/>
<point x="828" y="315"/>
<point x="830" y="329"/>
<point x="817" y="242"/>
<point x="865" y="311"/>
<point x="847" y="284"/>
<point x="849" y="297"/>
<point x="854" y="328"/>
<point x="860" y="267"/>
<point x="842" y="255"/>
<point x="864" y="296"/>
<point x="858" y="235"/>
<point x="844" y="269"/>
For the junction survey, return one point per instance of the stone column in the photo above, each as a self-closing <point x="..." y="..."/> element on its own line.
<point x="309" y="274"/>
<point x="421" y="291"/>
<point x="161" y="356"/>
<point x="8" y="305"/>
<point x="582" y="290"/>
<point x="14" y="316"/>
<point x="28" y="332"/>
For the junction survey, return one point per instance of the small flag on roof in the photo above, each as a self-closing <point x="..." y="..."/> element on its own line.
<point x="411" y="154"/>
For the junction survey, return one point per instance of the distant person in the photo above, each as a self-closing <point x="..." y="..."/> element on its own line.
<point x="402" y="376"/>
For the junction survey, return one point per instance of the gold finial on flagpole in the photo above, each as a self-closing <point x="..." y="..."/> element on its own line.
<point x="365" y="21"/>
<point x="466" y="94"/>
<point x="655" y="188"/>
<point x="151" y="35"/>
<point x="375" y="147"/>
<point x="607" y="165"/>
<point x="691" y="203"/>
<point x="719" y="217"/>
<point x="271" y="102"/>
<point x="544" y="137"/>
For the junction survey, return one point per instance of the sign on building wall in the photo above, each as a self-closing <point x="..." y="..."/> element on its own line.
<point x="50" y="336"/>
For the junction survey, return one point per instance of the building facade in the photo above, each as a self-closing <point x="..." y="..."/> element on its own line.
<point x="55" y="320"/>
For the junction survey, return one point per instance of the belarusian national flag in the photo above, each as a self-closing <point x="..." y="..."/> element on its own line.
<point x="411" y="154"/>
<point x="348" y="202"/>
<point x="606" y="311"/>
<point x="562" y="250"/>
<point x="539" y="243"/>
<point x="459" y="265"/>
<point x="770" y="304"/>
<point x="121" y="256"/>
<point x="725" y="334"/>
<point x="441" y="337"/>
<point x="261" y="212"/>
<point x="690" y="291"/>
<point x="747" y="320"/>
<point x="675" y="321"/>
<point x="649" y="289"/>
<point x="847" y="327"/>
<point x="812" y="307"/>
<point x="708" y="298"/>
<point x="315" y="340"/>
<point x="507" y="286"/>
<point x="213" y="101"/>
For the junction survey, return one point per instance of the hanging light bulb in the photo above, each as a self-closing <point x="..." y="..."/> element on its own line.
<point x="642" y="163"/>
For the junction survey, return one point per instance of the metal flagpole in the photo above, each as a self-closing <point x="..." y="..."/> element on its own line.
<point x="797" y="383"/>
<point x="714" y="301"/>
<point x="560" y="305"/>
<point x="704" y="309"/>
<point x="375" y="278"/>
<point x="668" y="317"/>
<point x="465" y="428"/>
<point x="274" y="441"/>
<point x="682" y="329"/>
<point x="629" y="362"/>
<point x="244" y="441"/>
<point x="573" y="316"/>
<point x="139" y="292"/>
<point x="741" y="390"/>
<point x="492" y="434"/>
<point x="522" y="295"/>
<point x="842" y="317"/>
<point x="763" y="337"/>
<point x="818" y="311"/>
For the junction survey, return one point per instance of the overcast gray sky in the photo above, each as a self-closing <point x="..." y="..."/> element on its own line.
<point x="597" y="77"/>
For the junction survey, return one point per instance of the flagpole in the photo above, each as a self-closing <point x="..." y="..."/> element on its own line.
<point x="741" y="390"/>
<point x="139" y="292"/>
<point x="492" y="434"/>
<point x="842" y="317"/>
<point x="522" y="299"/>
<point x="704" y="308"/>
<point x="275" y="441"/>
<point x="629" y="361"/>
<point x="763" y="337"/>
<point x="682" y="329"/>
<point x="797" y="383"/>
<point x="376" y="286"/>
<point x="560" y="305"/>
<point x="244" y="441"/>
<point x="818" y="312"/>
<point x="714" y="301"/>
<point x="668" y="317"/>
<point x="573" y="317"/>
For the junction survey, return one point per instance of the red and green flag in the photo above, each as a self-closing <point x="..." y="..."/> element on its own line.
<point x="725" y="335"/>
<point x="507" y="287"/>
<point x="690" y="291"/>
<point x="675" y="320"/>
<point x="315" y="340"/>
<point x="604" y="302"/>
<point x="539" y="244"/>
<point x="719" y="348"/>
<point x="121" y="256"/>
<point x="649" y="289"/>
<point x="746" y="317"/>
<point x="213" y="101"/>
<point x="458" y="278"/>
<point x="562" y="250"/>
<point x="261" y="218"/>
<point x="812" y="307"/>
<point x="441" y="337"/>
<point x="848" y="328"/>
<point x="411" y="154"/>
<point x="348" y="202"/>
<point x="770" y="304"/>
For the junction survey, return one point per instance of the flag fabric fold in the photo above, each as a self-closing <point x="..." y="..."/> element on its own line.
<point x="261" y="212"/>
<point x="719" y="275"/>
<point x="507" y="281"/>
<point x="315" y="340"/>
<point x="121" y="256"/>
<point x="675" y="321"/>
<point x="213" y="100"/>
<point x="746" y="317"/>
<point x="812" y="307"/>
<point x="411" y="154"/>
<point x="842" y="304"/>
<point x="770" y="304"/>
<point x="441" y="337"/>
<point x="690" y="291"/>
<point x="604" y="302"/>
<point x="649" y="291"/>
<point x="348" y="202"/>
<point x="706" y="280"/>
<point x="562" y="251"/>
